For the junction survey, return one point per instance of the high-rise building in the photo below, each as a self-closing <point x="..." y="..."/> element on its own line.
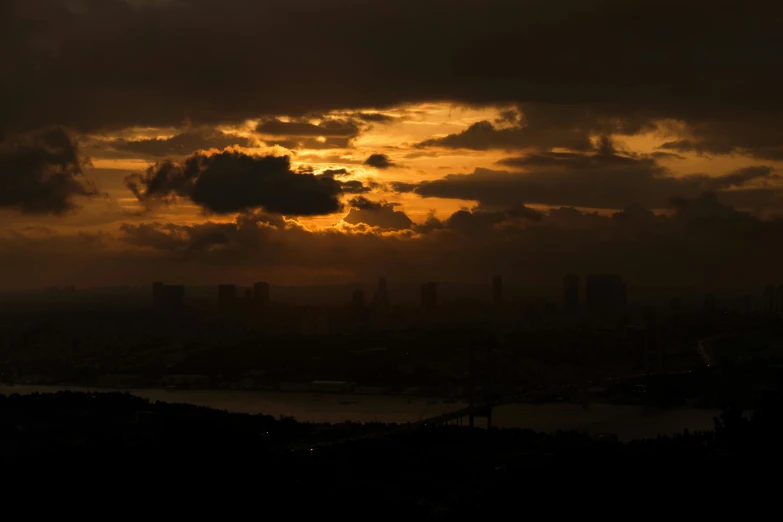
<point x="606" y="295"/>
<point x="497" y="291"/>
<point x="429" y="296"/>
<point x="382" y="294"/>
<point x="261" y="293"/>
<point x="227" y="294"/>
<point x="315" y="322"/>
<point x="571" y="294"/>
<point x="358" y="300"/>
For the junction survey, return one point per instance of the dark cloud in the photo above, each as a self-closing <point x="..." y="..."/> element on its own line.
<point x="508" y="116"/>
<point x="702" y="242"/>
<point x="183" y="144"/>
<point x="355" y="187"/>
<point x="119" y="64"/>
<point x="603" y="179"/>
<point x="403" y="186"/>
<point x="41" y="173"/>
<point x="484" y="135"/>
<point x="379" y="161"/>
<point x="326" y="128"/>
<point x="331" y="173"/>
<point x="375" y="117"/>
<point x="247" y="231"/>
<point x="328" y="134"/>
<point x="758" y="135"/>
<point x="233" y="182"/>
<point x="311" y="143"/>
<point x="362" y="203"/>
<point x="543" y="126"/>
<point x="377" y="214"/>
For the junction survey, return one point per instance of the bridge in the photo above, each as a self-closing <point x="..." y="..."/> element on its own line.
<point x="481" y="409"/>
<point x="469" y="412"/>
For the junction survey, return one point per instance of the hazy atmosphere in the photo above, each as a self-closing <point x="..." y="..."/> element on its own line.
<point x="307" y="142"/>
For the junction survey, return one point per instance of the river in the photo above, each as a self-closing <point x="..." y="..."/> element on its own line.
<point x="627" y="422"/>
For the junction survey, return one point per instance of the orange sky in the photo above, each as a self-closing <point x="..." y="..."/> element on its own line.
<point x="412" y="124"/>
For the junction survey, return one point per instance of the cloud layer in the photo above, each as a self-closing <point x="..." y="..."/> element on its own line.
<point x="41" y="173"/>
<point x="232" y="182"/>
<point x="604" y="178"/>
<point x="119" y="63"/>
<point x="703" y="243"/>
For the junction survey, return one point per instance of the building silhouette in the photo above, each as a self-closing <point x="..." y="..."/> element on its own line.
<point x="381" y="294"/>
<point x="571" y="294"/>
<point x="497" y="291"/>
<point x="227" y="295"/>
<point x="429" y="296"/>
<point x="261" y="294"/>
<point x="167" y="298"/>
<point x="314" y="322"/>
<point x="357" y="300"/>
<point x="606" y="295"/>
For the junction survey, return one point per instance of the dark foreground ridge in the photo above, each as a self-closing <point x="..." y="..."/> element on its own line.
<point x="418" y="474"/>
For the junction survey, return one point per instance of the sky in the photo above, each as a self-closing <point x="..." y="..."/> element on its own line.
<point x="307" y="142"/>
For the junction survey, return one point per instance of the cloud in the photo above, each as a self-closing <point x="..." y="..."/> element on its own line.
<point x="41" y="173"/>
<point x="203" y="237"/>
<point x="327" y="128"/>
<point x="484" y="135"/>
<point x="377" y="214"/>
<point x="301" y="134"/>
<point x="379" y="161"/>
<point x="375" y="117"/>
<point x="356" y="187"/>
<point x="606" y="178"/>
<point x="757" y="135"/>
<point x="702" y="242"/>
<point x="120" y="64"/>
<point x="232" y="182"/>
<point x="334" y="172"/>
<point x="182" y="144"/>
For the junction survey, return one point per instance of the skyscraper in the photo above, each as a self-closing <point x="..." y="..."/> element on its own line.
<point x="358" y="299"/>
<point x="381" y="294"/>
<point x="497" y="291"/>
<point x="429" y="296"/>
<point x="261" y="293"/>
<point x="227" y="295"/>
<point x="571" y="294"/>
